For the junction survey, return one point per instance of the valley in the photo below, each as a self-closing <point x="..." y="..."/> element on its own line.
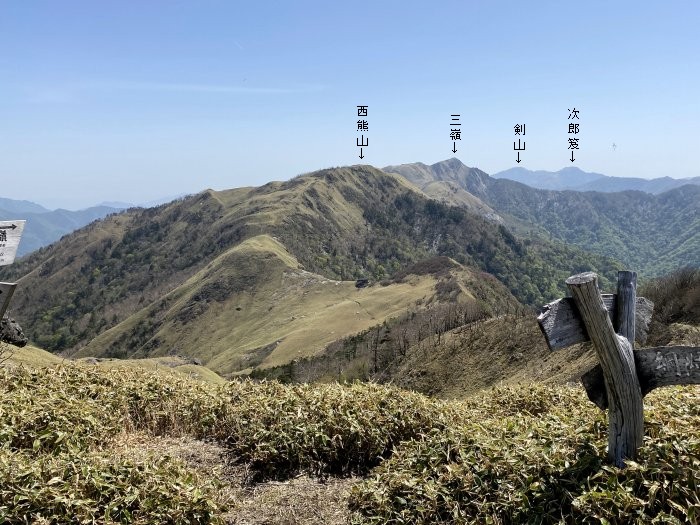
<point x="218" y="276"/>
<point x="654" y="234"/>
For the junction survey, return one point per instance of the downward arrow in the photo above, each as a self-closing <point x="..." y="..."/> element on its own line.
<point x="454" y="147"/>
<point x="361" y="155"/>
<point x="572" y="155"/>
<point x="518" y="161"/>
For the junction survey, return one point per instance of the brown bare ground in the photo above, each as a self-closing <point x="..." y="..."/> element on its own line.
<point x="303" y="500"/>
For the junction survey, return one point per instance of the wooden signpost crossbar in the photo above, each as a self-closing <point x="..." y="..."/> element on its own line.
<point x="624" y="376"/>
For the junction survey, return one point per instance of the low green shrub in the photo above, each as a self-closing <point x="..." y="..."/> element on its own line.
<point x="55" y="409"/>
<point x="40" y="411"/>
<point x="516" y="467"/>
<point x="56" y="465"/>
<point x="533" y="454"/>
<point x="280" y="429"/>
<point x="83" y="487"/>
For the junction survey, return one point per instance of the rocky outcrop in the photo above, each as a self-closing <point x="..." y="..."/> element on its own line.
<point x="11" y="332"/>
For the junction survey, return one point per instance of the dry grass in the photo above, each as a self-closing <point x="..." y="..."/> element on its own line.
<point x="302" y="500"/>
<point x="684" y="334"/>
<point x="279" y="312"/>
<point x="30" y="355"/>
<point x="36" y="357"/>
<point x="507" y="350"/>
<point x="175" y="364"/>
<point x="453" y="194"/>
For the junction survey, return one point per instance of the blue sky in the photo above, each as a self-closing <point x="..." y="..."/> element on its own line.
<point x="133" y="100"/>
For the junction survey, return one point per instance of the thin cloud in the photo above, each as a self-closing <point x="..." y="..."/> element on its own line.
<point x="72" y="92"/>
<point x="205" y="88"/>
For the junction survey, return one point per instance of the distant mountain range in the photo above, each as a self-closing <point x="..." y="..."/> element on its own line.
<point x="46" y="226"/>
<point x="573" y="178"/>
<point x="651" y="234"/>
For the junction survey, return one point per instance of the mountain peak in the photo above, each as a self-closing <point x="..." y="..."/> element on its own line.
<point x="21" y="206"/>
<point x="452" y="163"/>
<point x="571" y="170"/>
<point x="567" y="178"/>
<point x="452" y="182"/>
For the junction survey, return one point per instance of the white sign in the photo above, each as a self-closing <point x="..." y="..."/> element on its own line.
<point x="6" y="291"/>
<point x="10" y="234"/>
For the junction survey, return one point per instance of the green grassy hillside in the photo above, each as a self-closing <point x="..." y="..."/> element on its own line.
<point x="194" y="277"/>
<point x="444" y="189"/>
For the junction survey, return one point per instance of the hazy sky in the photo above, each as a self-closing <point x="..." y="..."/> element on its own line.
<point x="133" y="100"/>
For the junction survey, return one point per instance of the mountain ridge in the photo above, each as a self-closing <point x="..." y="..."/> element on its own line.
<point x="653" y="234"/>
<point x="573" y="178"/>
<point x="130" y="274"/>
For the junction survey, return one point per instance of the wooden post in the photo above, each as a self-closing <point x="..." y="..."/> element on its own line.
<point x="6" y="291"/>
<point x="626" y="417"/>
<point x="623" y="376"/>
<point x="626" y="305"/>
<point x="561" y="323"/>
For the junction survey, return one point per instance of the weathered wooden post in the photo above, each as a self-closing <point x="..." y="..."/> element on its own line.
<point x="6" y="292"/>
<point x="624" y="376"/>
<point x="615" y="354"/>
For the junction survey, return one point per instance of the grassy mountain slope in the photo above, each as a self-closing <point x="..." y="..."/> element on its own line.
<point x="447" y="190"/>
<point x="458" y="297"/>
<point x="33" y="357"/>
<point x="653" y="234"/>
<point x="508" y="350"/>
<point x="422" y="352"/>
<point x="170" y="279"/>
<point x="28" y="355"/>
<point x="254" y="307"/>
<point x="453" y="350"/>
